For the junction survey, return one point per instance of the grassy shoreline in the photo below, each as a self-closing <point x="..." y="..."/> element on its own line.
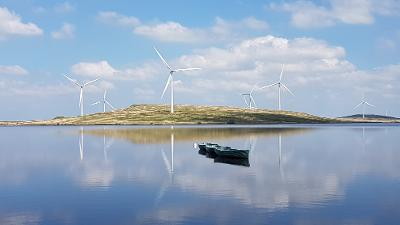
<point x="192" y="115"/>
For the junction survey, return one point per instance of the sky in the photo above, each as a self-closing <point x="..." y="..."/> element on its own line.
<point x="334" y="52"/>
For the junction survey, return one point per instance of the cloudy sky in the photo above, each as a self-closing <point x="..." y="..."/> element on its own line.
<point x="334" y="51"/>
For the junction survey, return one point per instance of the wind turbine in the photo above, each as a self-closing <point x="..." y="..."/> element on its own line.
<point x="363" y="103"/>
<point x="248" y="98"/>
<point x="280" y="84"/>
<point x="170" y="80"/>
<point x="105" y="102"/>
<point x="81" y="86"/>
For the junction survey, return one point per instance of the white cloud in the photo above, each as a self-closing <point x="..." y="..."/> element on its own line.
<point x="67" y="31"/>
<point x="306" y="14"/>
<point x="64" y="7"/>
<point x="168" y="32"/>
<point x="105" y="70"/>
<point x="12" y="70"/>
<point x="171" y="31"/>
<point x="309" y="63"/>
<point x="112" y="18"/>
<point x="94" y="69"/>
<point x="221" y="30"/>
<point x="11" y="25"/>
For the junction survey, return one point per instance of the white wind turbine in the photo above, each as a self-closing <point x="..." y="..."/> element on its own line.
<point x="170" y="80"/>
<point x="363" y="103"/>
<point x="105" y="102"/>
<point x="248" y="98"/>
<point x="280" y="84"/>
<point x="81" y="86"/>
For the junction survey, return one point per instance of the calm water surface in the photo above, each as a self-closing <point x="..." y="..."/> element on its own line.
<point x="154" y="175"/>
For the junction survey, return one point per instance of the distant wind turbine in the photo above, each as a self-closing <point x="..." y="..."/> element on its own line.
<point x="279" y="83"/>
<point x="170" y="80"/>
<point x="248" y="98"/>
<point x="363" y="103"/>
<point x="81" y="86"/>
<point x="105" y="102"/>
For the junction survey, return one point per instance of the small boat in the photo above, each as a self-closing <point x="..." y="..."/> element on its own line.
<point x="202" y="149"/>
<point x="233" y="161"/>
<point x="202" y="152"/>
<point x="229" y="152"/>
<point x="210" y="147"/>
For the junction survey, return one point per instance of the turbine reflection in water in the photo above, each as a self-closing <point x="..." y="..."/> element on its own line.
<point x="169" y="165"/>
<point x="325" y="173"/>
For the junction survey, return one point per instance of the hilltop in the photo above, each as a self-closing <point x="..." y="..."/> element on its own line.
<point x="189" y="114"/>
<point x="370" y="116"/>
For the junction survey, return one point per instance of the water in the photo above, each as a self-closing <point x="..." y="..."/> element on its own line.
<point x="153" y="175"/>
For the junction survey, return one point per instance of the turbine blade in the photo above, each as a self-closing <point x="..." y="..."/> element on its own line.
<point x="166" y="161"/>
<point x="109" y="143"/>
<point x="358" y="105"/>
<point x="187" y="69"/>
<point x="166" y="86"/>
<point x="269" y="85"/>
<point x="369" y="104"/>
<point x="162" y="58"/>
<point x="109" y="104"/>
<point x="72" y="80"/>
<point x="253" y="89"/>
<point x="105" y="94"/>
<point x="252" y="99"/>
<point x="96" y="103"/>
<point x="287" y="89"/>
<point x="280" y="76"/>
<point x="92" y="81"/>
<point x="245" y="100"/>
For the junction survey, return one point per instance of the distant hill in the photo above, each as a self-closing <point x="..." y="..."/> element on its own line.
<point x="184" y="114"/>
<point x="370" y="116"/>
<point x="190" y="114"/>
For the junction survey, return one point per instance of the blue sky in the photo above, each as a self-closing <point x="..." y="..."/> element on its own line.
<point x="334" y="51"/>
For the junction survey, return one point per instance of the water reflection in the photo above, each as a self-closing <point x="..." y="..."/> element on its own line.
<point x="81" y="143"/>
<point x="153" y="174"/>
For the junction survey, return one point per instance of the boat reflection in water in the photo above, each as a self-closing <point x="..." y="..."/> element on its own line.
<point x="232" y="161"/>
<point x="151" y="175"/>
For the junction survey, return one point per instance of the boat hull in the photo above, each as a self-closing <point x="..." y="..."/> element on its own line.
<point x="232" y="153"/>
<point x="233" y="161"/>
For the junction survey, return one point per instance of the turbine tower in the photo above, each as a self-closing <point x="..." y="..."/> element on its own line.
<point x="81" y="86"/>
<point x="363" y="103"/>
<point x="280" y="84"/>
<point x="105" y="102"/>
<point x="170" y="80"/>
<point x="248" y="98"/>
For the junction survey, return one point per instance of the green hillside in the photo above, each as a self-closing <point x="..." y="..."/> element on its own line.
<point x="189" y="114"/>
